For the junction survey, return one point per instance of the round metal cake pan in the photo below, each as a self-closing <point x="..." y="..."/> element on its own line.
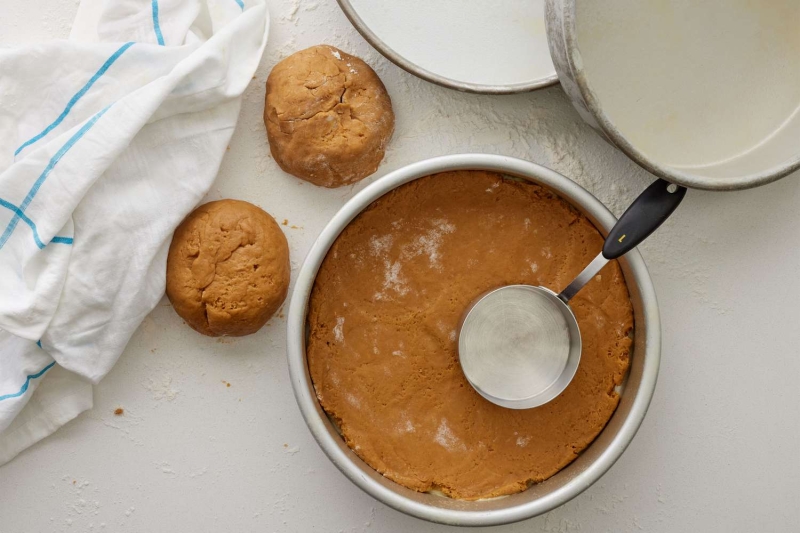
<point x="575" y="478"/>
<point x="761" y="164"/>
<point x="413" y="68"/>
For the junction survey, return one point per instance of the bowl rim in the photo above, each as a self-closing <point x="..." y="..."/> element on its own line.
<point x="309" y="405"/>
<point x="412" y="68"/>
<point x="673" y="174"/>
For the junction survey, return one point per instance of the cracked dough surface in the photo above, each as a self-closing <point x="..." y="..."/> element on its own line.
<point x="383" y="320"/>
<point x="227" y="268"/>
<point x="328" y="116"/>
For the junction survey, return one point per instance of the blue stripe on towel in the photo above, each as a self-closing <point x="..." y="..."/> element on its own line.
<point x="74" y="100"/>
<point x="156" y="25"/>
<point x="39" y="343"/>
<point x="241" y="4"/>
<point x="27" y="382"/>
<point x="25" y="219"/>
<point x="49" y="168"/>
<point x="29" y="222"/>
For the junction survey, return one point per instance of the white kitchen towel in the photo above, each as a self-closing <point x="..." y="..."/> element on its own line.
<point x="106" y="142"/>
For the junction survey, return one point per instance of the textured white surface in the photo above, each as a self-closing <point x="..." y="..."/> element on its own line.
<point x="717" y="451"/>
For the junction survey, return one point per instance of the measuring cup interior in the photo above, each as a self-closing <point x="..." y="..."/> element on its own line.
<point x="519" y="346"/>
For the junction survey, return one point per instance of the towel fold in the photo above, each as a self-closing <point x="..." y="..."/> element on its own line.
<point x="106" y="142"/>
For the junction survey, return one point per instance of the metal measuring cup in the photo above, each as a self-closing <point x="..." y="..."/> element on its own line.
<point x="520" y="345"/>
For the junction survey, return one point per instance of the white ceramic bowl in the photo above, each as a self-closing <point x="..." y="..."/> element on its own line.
<point x="566" y="484"/>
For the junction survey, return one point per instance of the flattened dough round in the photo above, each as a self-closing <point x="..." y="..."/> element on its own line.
<point x="228" y="268"/>
<point x="328" y="116"/>
<point x="383" y="320"/>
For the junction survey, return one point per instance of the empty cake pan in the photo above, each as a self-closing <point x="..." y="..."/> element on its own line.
<point x="468" y="46"/>
<point x="567" y="483"/>
<point x="702" y="94"/>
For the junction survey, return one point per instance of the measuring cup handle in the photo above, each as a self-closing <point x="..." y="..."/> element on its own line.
<point x="643" y="217"/>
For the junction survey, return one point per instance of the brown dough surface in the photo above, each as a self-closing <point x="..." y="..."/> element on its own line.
<point x="383" y="316"/>
<point x="228" y="268"/>
<point x="328" y="116"/>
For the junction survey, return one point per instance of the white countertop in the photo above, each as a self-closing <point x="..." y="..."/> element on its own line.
<point x="717" y="450"/>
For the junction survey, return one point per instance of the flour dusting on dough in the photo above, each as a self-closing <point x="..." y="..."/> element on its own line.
<point x="523" y="441"/>
<point x="429" y="243"/>
<point x="392" y="280"/>
<point x="399" y="352"/>
<point x="405" y="426"/>
<point x="379" y="246"/>
<point x="338" y="331"/>
<point x="352" y="400"/>
<point x="447" y="439"/>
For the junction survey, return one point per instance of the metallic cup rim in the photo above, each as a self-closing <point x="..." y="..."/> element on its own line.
<point x="571" y="363"/>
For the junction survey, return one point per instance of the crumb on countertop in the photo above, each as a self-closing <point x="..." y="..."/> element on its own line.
<point x="119" y="411"/>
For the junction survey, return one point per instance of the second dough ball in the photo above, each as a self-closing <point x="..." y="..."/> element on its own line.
<point x="328" y="116"/>
<point x="228" y="268"/>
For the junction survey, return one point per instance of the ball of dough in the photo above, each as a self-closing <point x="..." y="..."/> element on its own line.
<point x="328" y="116"/>
<point x="228" y="268"/>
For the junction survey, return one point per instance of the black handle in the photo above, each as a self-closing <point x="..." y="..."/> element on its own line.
<point x="643" y="217"/>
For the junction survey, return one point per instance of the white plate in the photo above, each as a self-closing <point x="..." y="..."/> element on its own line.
<point x="469" y="45"/>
